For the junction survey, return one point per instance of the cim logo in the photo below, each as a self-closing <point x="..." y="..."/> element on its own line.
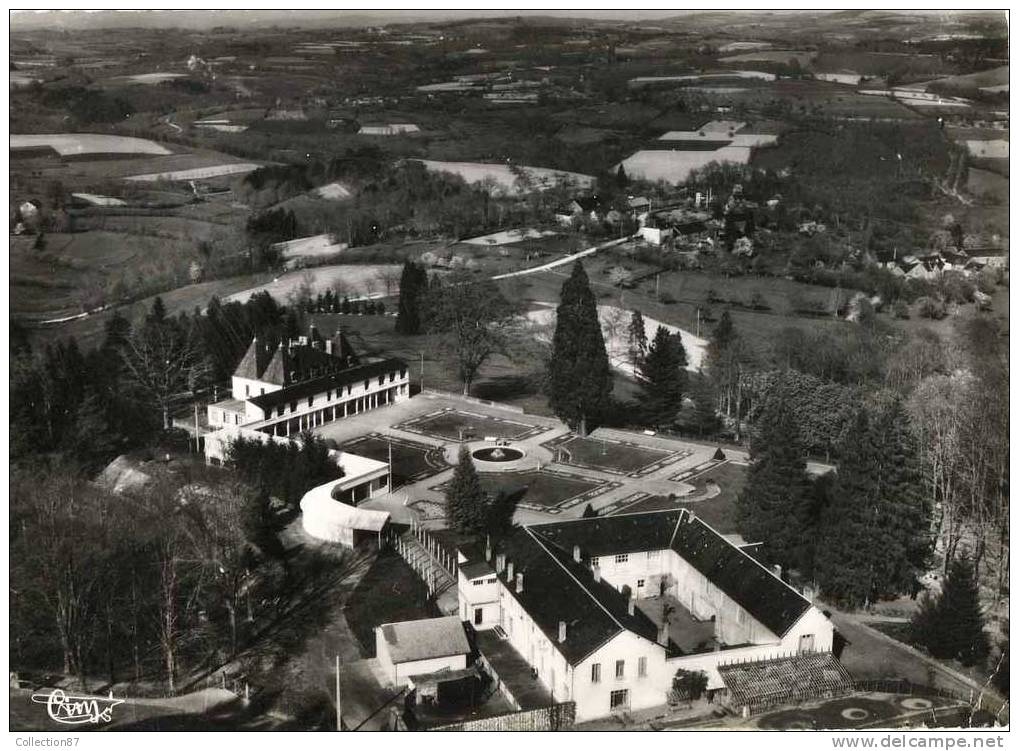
<point x="77" y="710"/>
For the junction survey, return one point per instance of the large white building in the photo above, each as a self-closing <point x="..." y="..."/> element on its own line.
<point x="307" y="383"/>
<point x="278" y="393"/>
<point x="575" y="600"/>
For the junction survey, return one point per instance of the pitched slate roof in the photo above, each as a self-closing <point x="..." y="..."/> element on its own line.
<point x="426" y="639"/>
<point x="558" y="589"/>
<point x="772" y="602"/>
<point x="254" y="361"/>
<point x="287" y="364"/>
<point x="319" y="384"/>
<point x="763" y="595"/>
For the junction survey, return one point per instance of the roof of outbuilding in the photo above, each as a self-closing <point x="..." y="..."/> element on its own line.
<point x="426" y="639"/>
<point x="476" y="569"/>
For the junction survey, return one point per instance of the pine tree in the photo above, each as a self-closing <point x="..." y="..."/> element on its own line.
<point x="621" y="179"/>
<point x="772" y="508"/>
<point x="636" y="340"/>
<point x="952" y="626"/>
<point x="849" y="547"/>
<point x="579" y="378"/>
<point x="466" y="504"/>
<point x="905" y="531"/>
<point x="663" y="377"/>
<point x="704" y="419"/>
<point x="413" y="285"/>
<point x="589" y="512"/>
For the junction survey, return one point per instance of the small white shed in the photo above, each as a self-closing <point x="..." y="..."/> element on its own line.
<point x="418" y="647"/>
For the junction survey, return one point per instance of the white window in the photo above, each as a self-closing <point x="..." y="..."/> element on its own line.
<point x="619" y="699"/>
<point x="640" y="584"/>
<point x="622" y="558"/>
<point x="642" y="667"/>
<point x="620" y="669"/>
<point x="596" y="673"/>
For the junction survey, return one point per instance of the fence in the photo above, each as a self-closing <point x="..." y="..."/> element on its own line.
<point x="554" y="717"/>
<point x="984" y="700"/>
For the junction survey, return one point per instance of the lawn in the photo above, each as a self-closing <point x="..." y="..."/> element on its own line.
<point x="411" y="461"/>
<point x="611" y="456"/>
<point x="454" y="425"/>
<point x="541" y="490"/>
<point x="719" y="512"/>
<point x="390" y="592"/>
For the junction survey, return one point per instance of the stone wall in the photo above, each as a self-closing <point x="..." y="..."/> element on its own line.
<point x="556" y="717"/>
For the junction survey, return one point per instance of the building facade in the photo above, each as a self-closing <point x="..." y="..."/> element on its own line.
<point x="582" y="603"/>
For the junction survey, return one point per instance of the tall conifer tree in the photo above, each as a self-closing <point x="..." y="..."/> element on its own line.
<point x="952" y="626"/>
<point x="579" y="378"/>
<point x="773" y="508"/>
<point x="466" y="503"/>
<point x="663" y="376"/>
<point x="413" y="285"/>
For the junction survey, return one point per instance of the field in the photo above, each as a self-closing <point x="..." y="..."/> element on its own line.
<point x="507" y="237"/>
<point x="197" y="173"/>
<point x="149" y="78"/>
<point x="80" y="271"/>
<point x="455" y="425"/>
<point x="316" y="246"/>
<point x="80" y="144"/>
<point x="674" y="166"/>
<point x="333" y="191"/>
<point x="505" y="178"/>
<point x="698" y="77"/>
<point x="352" y="280"/>
<point x="783" y="57"/>
<point x="996" y="149"/>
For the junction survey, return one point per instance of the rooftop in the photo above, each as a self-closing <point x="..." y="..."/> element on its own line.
<point x="428" y="638"/>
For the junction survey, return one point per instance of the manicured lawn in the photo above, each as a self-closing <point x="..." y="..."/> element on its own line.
<point x="388" y="593"/>
<point x="611" y="456"/>
<point x="719" y="512"/>
<point x="540" y="489"/>
<point x="454" y="425"/>
<point x="411" y="461"/>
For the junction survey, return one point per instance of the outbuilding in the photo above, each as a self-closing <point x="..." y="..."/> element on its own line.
<point x="419" y="648"/>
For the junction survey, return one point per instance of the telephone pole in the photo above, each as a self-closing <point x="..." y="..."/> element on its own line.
<point x="339" y="713"/>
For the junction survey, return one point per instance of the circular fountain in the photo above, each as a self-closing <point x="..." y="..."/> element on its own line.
<point x="501" y="454"/>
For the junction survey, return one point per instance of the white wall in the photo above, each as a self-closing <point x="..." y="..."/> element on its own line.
<point x="484" y="596"/>
<point x="592" y="699"/>
<point x="399" y="673"/>
<point x="246" y="388"/>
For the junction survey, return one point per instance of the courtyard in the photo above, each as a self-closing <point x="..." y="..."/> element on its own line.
<point x="542" y="490"/>
<point x="872" y="710"/>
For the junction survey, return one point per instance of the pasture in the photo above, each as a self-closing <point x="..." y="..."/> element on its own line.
<point x="352" y="280"/>
<point x="84" y="144"/>
<point x="509" y="179"/>
<point x="197" y="173"/>
<point x="782" y="57"/>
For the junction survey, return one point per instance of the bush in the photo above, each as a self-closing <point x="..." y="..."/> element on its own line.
<point x="688" y="685"/>
<point x="932" y="308"/>
<point x="901" y="309"/>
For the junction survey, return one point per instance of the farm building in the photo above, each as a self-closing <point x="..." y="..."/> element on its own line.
<point x="420" y="649"/>
<point x="583" y="602"/>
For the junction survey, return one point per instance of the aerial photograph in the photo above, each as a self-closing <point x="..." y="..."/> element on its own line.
<point x="509" y="370"/>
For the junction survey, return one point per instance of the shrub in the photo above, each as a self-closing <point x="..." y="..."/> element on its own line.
<point x="932" y="308"/>
<point x="688" y="685"/>
<point x="901" y="309"/>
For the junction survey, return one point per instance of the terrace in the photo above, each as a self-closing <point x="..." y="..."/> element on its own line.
<point x="457" y="425"/>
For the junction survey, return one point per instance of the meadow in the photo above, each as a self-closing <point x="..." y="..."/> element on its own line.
<point x="81" y="144"/>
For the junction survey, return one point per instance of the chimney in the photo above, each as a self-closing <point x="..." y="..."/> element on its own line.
<point x="630" y="604"/>
<point x="597" y="573"/>
<point x="488" y="549"/>
<point x="509" y="571"/>
<point x="562" y="631"/>
<point x="663" y="635"/>
<point x="500" y="562"/>
<point x="329" y="346"/>
<point x="777" y="570"/>
<point x="520" y="582"/>
<point x="576" y="553"/>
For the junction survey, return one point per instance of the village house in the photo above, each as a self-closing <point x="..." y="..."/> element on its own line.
<point x="410" y="652"/>
<point x="579" y="209"/>
<point x="606" y="610"/>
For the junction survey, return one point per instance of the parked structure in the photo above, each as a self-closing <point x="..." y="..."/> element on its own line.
<point x="606" y="610"/>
